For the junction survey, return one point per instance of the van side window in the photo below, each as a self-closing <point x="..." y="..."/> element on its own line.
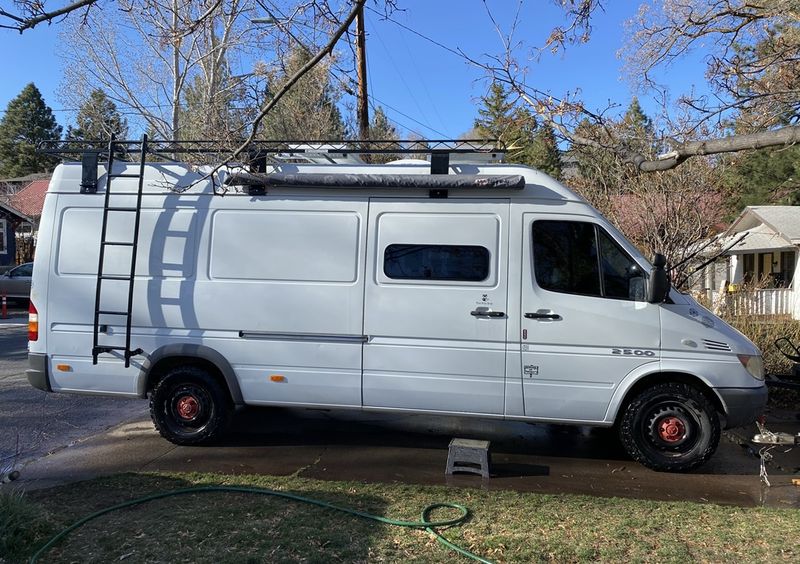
<point x="574" y="257"/>
<point x="465" y="263"/>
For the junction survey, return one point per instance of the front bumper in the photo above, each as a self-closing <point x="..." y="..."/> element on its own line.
<point x="742" y="405"/>
<point x="37" y="373"/>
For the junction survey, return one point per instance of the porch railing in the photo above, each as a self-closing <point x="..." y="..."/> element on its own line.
<point x="768" y="301"/>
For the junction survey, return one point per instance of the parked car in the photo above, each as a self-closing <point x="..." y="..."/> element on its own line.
<point x="16" y="283"/>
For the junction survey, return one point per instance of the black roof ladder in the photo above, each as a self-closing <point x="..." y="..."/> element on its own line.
<point x="113" y="247"/>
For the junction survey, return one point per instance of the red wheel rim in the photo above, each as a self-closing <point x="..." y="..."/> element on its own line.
<point x="188" y="407"/>
<point x="671" y="429"/>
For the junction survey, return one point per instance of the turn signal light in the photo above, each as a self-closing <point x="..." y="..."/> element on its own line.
<point x="33" y="323"/>
<point x="277" y="378"/>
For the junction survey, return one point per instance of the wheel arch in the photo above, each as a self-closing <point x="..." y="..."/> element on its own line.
<point x="163" y="358"/>
<point x="635" y="383"/>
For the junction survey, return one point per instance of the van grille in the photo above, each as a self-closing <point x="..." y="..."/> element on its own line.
<point x="716" y="345"/>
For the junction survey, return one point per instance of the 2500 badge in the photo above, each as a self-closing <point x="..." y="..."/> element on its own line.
<point x="633" y="352"/>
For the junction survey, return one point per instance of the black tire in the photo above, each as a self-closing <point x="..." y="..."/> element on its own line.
<point x="670" y="427"/>
<point x="189" y="407"/>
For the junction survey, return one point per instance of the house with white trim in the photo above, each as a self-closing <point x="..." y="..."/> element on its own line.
<point x="760" y="248"/>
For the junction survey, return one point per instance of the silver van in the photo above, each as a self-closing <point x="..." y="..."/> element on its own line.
<point x="450" y="287"/>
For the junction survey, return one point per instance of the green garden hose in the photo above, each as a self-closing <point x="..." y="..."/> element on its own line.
<point x="424" y="523"/>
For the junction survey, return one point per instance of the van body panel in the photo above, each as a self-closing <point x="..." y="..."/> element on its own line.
<point x="109" y="375"/>
<point x="318" y="372"/>
<point x="431" y="344"/>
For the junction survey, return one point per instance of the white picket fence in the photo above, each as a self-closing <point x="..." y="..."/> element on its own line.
<point x="769" y="301"/>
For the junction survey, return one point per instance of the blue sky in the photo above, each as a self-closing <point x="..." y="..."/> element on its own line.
<point x="422" y="87"/>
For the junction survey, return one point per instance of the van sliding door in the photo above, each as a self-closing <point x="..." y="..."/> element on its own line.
<point x="435" y="305"/>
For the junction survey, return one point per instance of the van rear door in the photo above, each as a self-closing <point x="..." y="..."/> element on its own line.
<point x="435" y="305"/>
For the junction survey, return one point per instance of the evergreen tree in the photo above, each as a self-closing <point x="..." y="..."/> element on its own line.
<point x="308" y="110"/>
<point x="210" y="111"/>
<point x="381" y="129"/>
<point x="98" y="119"/>
<point x="765" y="176"/>
<point x="544" y="152"/>
<point x="500" y="118"/>
<point x="636" y="130"/>
<point x="496" y="114"/>
<point x="27" y="121"/>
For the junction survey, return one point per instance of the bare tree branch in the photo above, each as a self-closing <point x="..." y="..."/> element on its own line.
<point x="326" y="50"/>
<point x="730" y="144"/>
<point x="754" y="67"/>
<point x="37" y="14"/>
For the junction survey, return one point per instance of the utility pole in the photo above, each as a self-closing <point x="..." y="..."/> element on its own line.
<point x="362" y="108"/>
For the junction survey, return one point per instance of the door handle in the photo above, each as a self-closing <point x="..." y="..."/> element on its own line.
<point x="487" y="313"/>
<point x="553" y="316"/>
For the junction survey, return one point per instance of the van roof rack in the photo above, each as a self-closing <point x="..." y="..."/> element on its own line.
<point x="259" y="153"/>
<point x="69" y="149"/>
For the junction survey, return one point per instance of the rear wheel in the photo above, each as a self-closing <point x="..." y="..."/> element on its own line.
<point x="189" y="407"/>
<point x="670" y="427"/>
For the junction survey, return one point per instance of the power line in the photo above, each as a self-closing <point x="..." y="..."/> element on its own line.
<point x="422" y="81"/>
<point x="402" y="78"/>
<point x="415" y="32"/>
<point x="135" y="110"/>
<point x="305" y="38"/>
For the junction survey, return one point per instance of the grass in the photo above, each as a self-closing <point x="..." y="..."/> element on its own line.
<point x="21" y="525"/>
<point x="505" y="526"/>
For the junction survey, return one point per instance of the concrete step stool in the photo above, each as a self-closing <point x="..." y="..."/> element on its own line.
<point x="468" y="455"/>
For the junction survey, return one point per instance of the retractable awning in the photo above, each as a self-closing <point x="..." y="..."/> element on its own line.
<point x="345" y="180"/>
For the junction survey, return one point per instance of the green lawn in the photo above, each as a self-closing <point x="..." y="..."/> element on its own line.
<point x="504" y="526"/>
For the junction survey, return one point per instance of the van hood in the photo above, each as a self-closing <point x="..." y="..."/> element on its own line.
<point x="689" y="325"/>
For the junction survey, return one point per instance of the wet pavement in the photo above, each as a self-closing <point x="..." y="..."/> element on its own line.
<point x="412" y="449"/>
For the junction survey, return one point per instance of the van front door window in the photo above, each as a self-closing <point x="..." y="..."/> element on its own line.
<point x="575" y="257"/>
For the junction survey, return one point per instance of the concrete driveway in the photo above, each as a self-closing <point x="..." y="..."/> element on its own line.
<point x="59" y="438"/>
<point x="34" y="423"/>
<point x="413" y="449"/>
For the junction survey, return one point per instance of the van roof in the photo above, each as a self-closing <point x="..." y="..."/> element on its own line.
<point x="392" y="179"/>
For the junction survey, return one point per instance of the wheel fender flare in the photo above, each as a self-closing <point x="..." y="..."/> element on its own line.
<point x="192" y="351"/>
<point x="643" y="371"/>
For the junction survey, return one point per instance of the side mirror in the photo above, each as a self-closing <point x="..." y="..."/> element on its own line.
<point x="658" y="284"/>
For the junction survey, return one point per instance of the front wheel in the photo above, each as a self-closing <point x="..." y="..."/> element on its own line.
<point x="670" y="427"/>
<point x="189" y="407"/>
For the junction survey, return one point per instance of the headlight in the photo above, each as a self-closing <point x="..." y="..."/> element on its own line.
<point x="753" y="364"/>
